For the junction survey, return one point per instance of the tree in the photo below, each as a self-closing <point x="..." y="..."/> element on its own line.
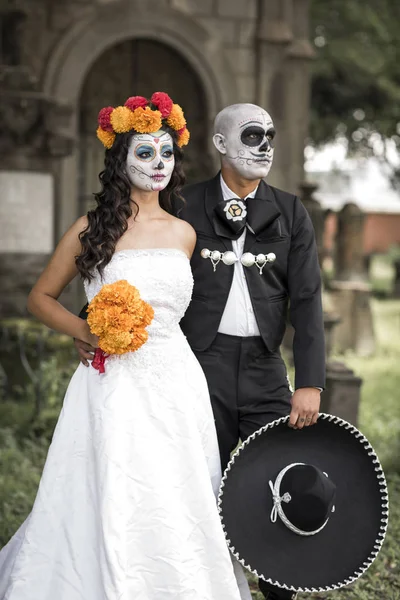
<point x="356" y="74"/>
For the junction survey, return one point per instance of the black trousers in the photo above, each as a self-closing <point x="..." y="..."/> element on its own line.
<point x="248" y="388"/>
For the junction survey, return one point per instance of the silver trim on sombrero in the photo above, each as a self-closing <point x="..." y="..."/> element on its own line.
<point x="384" y="500"/>
<point x="277" y="509"/>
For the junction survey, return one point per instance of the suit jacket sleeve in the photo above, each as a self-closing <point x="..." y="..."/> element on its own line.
<point x="306" y="315"/>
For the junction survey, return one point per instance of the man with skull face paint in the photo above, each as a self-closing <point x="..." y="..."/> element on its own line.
<point x="255" y="254"/>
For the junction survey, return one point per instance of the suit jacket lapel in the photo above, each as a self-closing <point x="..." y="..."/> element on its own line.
<point x="213" y="197"/>
<point x="264" y="212"/>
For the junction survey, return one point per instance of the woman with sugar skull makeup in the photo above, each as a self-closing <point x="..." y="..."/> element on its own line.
<point x="126" y="506"/>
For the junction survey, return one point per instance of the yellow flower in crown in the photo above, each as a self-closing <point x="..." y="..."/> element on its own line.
<point x="106" y="138"/>
<point x="146" y="120"/>
<point x="143" y="116"/>
<point x="121" y="119"/>
<point x="176" y="119"/>
<point x="184" y="137"/>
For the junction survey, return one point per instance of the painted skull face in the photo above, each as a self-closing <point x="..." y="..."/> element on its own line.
<point x="150" y="161"/>
<point x="244" y="136"/>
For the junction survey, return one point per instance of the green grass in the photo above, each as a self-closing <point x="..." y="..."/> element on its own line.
<point x="381" y="275"/>
<point x="380" y="393"/>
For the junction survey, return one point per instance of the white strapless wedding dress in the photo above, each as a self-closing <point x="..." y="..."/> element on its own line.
<point x="126" y="507"/>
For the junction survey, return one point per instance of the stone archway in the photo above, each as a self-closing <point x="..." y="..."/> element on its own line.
<point x="133" y="67"/>
<point x="115" y="23"/>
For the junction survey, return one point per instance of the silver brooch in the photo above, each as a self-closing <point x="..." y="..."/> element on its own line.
<point x="228" y="258"/>
<point x="260" y="260"/>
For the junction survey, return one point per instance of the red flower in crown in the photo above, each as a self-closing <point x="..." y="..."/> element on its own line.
<point x="163" y="102"/>
<point x="104" y="118"/>
<point x="135" y="102"/>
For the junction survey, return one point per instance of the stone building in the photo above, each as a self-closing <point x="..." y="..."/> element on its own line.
<point x="62" y="61"/>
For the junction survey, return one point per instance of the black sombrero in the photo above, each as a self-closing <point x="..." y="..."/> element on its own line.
<point x="306" y="510"/>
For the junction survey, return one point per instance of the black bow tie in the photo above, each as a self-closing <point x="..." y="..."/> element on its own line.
<point x="232" y="217"/>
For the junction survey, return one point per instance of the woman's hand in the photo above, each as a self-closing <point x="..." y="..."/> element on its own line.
<point x="86" y="343"/>
<point x="87" y="336"/>
<point x="85" y="351"/>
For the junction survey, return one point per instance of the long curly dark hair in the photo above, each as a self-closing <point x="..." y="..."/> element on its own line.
<point x="109" y="220"/>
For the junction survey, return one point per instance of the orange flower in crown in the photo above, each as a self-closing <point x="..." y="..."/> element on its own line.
<point x="143" y="116"/>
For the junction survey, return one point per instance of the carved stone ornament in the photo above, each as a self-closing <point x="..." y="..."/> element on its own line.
<point x="30" y="122"/>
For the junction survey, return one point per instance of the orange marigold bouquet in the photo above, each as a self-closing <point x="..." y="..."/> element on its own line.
<point x="119" y="317"/>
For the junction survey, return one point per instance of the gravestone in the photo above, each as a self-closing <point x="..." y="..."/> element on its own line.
<point x="350" y="290"/>
<point x="350" y="260"/>
<point x="342" y="394"/>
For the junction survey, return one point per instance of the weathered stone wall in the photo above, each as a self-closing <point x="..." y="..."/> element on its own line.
<point x="68" y="59"/>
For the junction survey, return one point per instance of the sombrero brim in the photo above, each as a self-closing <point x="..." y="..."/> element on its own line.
<point x="351" y="540"/>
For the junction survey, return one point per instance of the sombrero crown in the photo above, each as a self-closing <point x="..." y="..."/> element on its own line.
<point x="143" y="116"/>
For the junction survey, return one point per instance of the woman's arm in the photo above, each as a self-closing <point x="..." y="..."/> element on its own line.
<point x="61" y="270"/>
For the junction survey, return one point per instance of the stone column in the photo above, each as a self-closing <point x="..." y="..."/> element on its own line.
<point x="32" y="140"/>
<point x="273" y="35"/>
<point x="297" y="76"/>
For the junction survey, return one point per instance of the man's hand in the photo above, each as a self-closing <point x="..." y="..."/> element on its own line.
<point x="305" y="407"/>
<point x="85" y="351"/>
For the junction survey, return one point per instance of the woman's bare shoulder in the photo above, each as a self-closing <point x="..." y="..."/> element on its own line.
<point x="183" y="228"/>
<point x="81" y="224"/>
<point x="183" y="234"/>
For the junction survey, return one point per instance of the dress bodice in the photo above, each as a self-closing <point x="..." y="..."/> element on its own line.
<point x="163" y="278"/>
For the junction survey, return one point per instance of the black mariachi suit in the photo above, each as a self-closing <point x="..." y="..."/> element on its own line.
<point x="246" y="376"/>
<point x="242" y="402"/>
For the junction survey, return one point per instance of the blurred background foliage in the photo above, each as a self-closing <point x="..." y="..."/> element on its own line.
<point x="356" y="78"/>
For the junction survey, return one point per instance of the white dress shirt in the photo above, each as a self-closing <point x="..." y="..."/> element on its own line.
<point x="238" y="317"/>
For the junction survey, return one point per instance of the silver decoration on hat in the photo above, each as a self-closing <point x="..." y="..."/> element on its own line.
<point x="277" y="510"/>
<point x="228" y="258"/>
<point x="260" y="260"/>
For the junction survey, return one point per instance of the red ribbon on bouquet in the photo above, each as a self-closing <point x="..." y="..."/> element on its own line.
<point x="99" y="360"/>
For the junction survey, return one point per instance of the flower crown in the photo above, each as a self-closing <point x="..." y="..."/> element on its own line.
<point x="138" y="114"/>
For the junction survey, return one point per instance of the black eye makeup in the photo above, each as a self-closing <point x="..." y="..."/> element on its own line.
<point x="252" y="136"/>
<point x="270" y="135"/>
